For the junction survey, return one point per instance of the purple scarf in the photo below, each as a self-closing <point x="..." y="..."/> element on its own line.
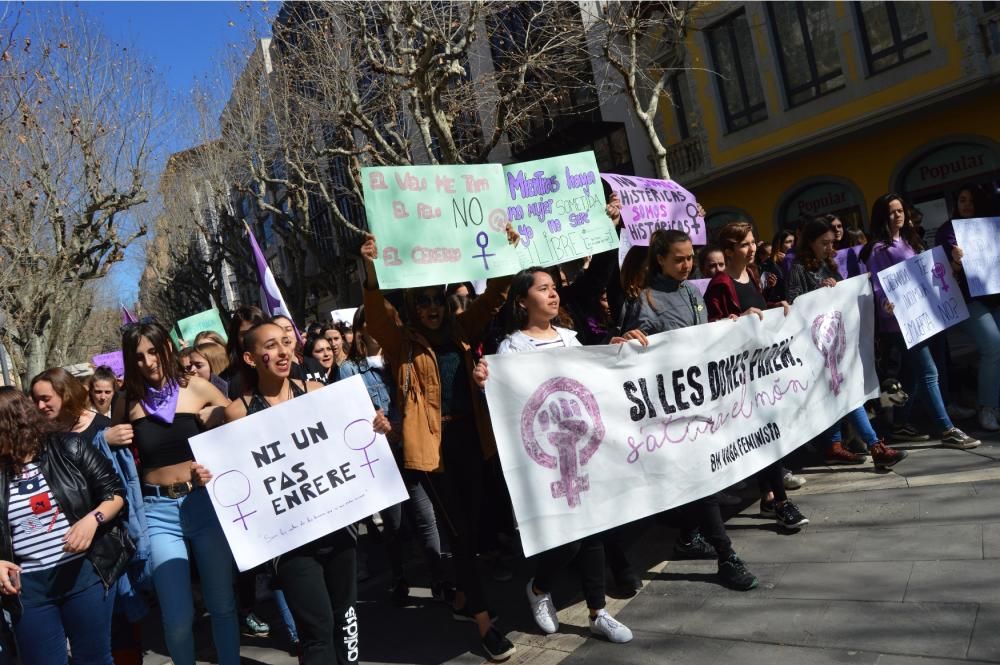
<point x="161" y="403"/>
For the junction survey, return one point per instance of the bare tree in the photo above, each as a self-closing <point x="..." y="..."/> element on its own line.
<point x="643" y="43"/>
<point x="78" y="113"/>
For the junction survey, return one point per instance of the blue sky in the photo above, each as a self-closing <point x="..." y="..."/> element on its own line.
<point x="186" y="42"/>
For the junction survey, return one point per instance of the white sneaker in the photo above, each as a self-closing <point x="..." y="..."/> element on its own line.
<point x="957" y="412"/>
<point x="791" y="481"/>
<point x="606" y="626"/>
<point x="988" y="419"/>
<point x="542" y="609"/>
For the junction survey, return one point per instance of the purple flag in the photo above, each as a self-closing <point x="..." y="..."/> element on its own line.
<point x="271" y="299"/>
<point x="128" y="317"/>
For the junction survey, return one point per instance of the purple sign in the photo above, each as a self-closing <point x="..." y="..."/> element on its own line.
<point x="115" y="360"/>
<point x="700" y="284"/>
<point x="649" y="204"/>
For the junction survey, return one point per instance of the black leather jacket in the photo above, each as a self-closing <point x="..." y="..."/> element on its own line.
<point x="80" y="478"/>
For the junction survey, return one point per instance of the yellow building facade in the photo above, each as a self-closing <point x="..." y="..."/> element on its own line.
<point x="788" y="110"/>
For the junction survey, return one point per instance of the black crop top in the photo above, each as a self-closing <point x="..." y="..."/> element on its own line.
<point x="257" y="402"/>
<point x="160" y="444"/>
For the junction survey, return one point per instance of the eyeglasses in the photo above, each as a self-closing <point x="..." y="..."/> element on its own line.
<point x="428" y="301"/>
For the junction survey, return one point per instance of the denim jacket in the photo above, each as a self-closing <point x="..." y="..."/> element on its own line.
<point x="378" y="382"/>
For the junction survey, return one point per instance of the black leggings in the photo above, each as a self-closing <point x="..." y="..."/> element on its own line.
<point x="771" y="479"/>
<point x="320" y="581"/>
<point x="587" y="556"/>
<point x="703" y="514"/>
<point x="457" y="494"/>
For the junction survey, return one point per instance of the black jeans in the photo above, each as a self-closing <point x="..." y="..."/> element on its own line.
<point x="586" y="556"/>
<point x="703" y="515"/>
<point x="457" y="494"/>
<point x="770" y="479"/>
<point x="320" y="582"/>
<point x="420" y="513"/>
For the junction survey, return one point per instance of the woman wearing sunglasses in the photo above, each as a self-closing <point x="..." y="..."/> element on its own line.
<point x="443" y="416"/>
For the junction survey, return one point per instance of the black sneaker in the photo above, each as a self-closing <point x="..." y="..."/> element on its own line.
<point x="789" y="517"/>
<point x="698" y="548"/>
<point x="734" y="574"/>
<point x="251" y="624"/>
<point x="956" y="438"/>
<point x="496" y="646"/>
<point x="902" y="433"/>
<point x="766" y="507"/>
<point x="443" y="591"/>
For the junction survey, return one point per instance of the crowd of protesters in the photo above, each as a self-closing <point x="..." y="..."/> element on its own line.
<point x="105" y="510"/>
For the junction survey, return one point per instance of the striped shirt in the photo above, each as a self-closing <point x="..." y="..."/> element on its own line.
<point x="37" y="525"/>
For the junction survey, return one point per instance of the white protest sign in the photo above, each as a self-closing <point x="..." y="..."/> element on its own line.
<point x="979" y="239"/>
<point x="345" y="315"/>
<point x="924" y="294"/>
<point x="297" y="471"/>
<point x="593" y="437"/>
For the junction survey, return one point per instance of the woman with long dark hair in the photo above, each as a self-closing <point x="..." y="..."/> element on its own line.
<point x="319" y="579"/>
<point x="166" y="408"/>
<point x="237" y="374"/>
<point x="102" y="390"/>
<point x="814" y="268"/>
<point x="63" y="544"/>
<point x="983" y="324"/>
<point x="445" y="429"/>
<point x="532" y="306"/>
<point x="669" y="303"/>
<point x="894" y="239"/>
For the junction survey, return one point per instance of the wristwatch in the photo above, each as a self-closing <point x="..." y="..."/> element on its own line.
<point x="99" y="516"/>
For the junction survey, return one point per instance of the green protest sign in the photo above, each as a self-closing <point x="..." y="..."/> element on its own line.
<point x="207" y="320"/>
<point x="438" y="224"/>
<point x="558" y="207"/>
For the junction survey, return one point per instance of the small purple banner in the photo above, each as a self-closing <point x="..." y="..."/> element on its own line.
<point x="115" y="360"/>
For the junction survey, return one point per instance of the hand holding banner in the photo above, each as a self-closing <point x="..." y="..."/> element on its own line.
<point x="980" y="242"/>
<point x="298" y="471"/>
<point x="593" y="437"/>
<point x="924" y="294"/>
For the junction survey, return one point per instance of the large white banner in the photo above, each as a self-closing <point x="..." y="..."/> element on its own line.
<point x="980" y="242"/>
<point x="298" y="471"/>
<point x="924" y="294"/>
<point x="594" y="437"/>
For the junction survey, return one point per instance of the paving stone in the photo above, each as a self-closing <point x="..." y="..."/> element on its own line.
<point x="844" y="581"/>
<point x="955" y="581"/>
<point x="920" y="543"/>
<point x="986" y="635"/>
<point x="991" y="541"/>
<point x="700" y="578"/>
<point x="959" y="509"/>
<point x="809" y="544"/>
<point x="934" y="461"/>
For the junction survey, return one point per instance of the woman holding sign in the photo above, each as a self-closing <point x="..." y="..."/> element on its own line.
<point x="668" y="303"/>
<point x="983" y="324"/>
<point x="319" y="579"/>
<point x="893" y="240"/>
<point x="165" y="408"/>
<point x="532" y="306"/>
<point x="443" y="417"/>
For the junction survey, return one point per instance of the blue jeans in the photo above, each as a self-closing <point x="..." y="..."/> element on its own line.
<point x="858" y="419"/>
<point x="920" y="381"/>
<point x="174" y="526"/>
<point x="68" y="601"/>
<point x="286" y="614"/>
<point x="983" y="325"/>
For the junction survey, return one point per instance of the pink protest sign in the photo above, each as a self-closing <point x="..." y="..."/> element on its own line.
<point x="115" y="360"/>
<point x="649" y="204"/>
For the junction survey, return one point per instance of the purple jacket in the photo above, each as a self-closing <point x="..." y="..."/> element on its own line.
<point x="883" y="256"/>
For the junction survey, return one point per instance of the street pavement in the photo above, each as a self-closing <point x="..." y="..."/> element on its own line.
<point x="895" y="568"/>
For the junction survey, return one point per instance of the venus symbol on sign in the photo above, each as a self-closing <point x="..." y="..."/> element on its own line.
<point x="231" y="489"/>
<point x="483" y="241"/>
<point x="359" y="435"/>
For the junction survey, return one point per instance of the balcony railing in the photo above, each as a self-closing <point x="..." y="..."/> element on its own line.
<point x="685" y="157"/>
<point x="989" y="24"/>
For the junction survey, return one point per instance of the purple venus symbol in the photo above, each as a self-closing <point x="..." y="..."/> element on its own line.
<point x="828" y="337"/>
<point x="554" y="414"/>
<point x="938" y="271"/>
<point x="231" y="489"/>
<point x="359" y="435"/>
